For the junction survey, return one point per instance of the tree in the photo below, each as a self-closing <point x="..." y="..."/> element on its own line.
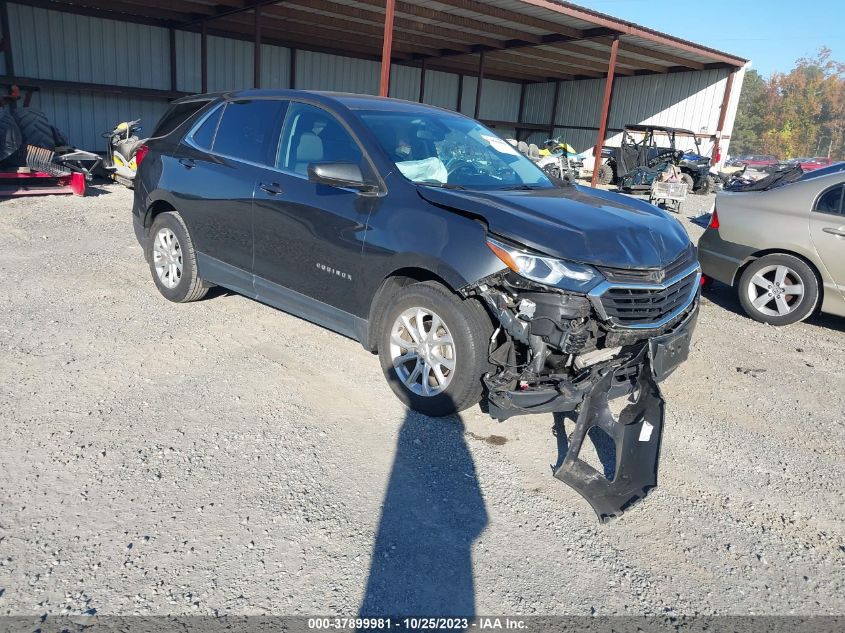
<point x="799" y="113"/>
<point x="748" y="128"/>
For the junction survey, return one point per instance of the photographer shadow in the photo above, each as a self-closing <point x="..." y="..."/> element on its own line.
<point x="433" y="510"/>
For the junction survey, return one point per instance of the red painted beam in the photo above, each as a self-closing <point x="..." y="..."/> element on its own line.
<point x="722" y="114"/>
<point x="605" y="110"/>
<point x="389" y="13"/>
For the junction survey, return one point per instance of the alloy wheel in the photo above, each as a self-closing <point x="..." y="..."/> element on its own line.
<point x="775" y="290"/>
<point x="423" y="351"/>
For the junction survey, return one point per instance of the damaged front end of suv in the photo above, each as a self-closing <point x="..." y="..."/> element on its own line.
<point x="571" y="337"/>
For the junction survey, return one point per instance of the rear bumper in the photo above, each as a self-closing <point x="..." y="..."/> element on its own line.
<point x="139" y="213"/>
<point x="720" y="260"/>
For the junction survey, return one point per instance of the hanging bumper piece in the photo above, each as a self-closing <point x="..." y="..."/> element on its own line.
<point x="636" y="435"/>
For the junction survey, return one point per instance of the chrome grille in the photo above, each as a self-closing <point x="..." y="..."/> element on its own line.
<point x="650" y="275"/>
<point x="643" y="306"/>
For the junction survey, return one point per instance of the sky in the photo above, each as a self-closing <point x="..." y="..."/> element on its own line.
<point x="771" y="33"/>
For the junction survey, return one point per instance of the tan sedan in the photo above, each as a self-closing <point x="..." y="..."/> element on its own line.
<point x="783" y="249"/>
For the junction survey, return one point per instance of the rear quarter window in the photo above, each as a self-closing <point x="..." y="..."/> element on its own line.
<point x="177" y="115"/>
<point x="249" y="130"/>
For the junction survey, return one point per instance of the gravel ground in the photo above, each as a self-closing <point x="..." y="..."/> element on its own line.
<point x="226" y="458"/>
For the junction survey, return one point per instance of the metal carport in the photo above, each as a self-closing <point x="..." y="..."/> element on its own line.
<point x="547" y="52"/>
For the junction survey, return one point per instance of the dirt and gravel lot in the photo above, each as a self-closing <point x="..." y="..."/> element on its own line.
<point x="226" y="458"/>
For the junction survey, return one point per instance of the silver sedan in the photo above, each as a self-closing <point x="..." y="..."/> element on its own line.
<point x="783" y="249"/>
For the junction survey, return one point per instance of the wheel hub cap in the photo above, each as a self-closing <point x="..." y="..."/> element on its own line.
<point x="422" y="351"/>
<point x="167" y="258"/>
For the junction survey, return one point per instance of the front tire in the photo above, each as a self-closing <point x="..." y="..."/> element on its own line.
<point x="778" y="289"/>
<point x="433" y="349"/>
<point x="173" y="260"/>
<point x="606" y="174"/>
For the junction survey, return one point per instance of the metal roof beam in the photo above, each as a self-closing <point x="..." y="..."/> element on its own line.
<point x="224" y="11"/>
<point x="435" y="15"/>
<point x="647" y="52"/>
<point x="377" y="17"/>
<point x="628" y="28"/>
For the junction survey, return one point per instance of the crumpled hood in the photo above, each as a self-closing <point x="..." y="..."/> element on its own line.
<point x="577" y="223"/>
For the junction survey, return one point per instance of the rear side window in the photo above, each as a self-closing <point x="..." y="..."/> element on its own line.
<point x="177" y="115"/>
<point x="204" y="135"/>
<point x="249" y="130"/>
<point x="831" y="200"/>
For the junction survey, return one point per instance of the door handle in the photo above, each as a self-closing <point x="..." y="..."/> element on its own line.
<point x="187" y="163"/>
<point x="837" y="232"/>
<point x="273" y="188"/>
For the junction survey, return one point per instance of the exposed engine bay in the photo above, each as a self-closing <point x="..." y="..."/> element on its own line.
<point x="560" y="351"/>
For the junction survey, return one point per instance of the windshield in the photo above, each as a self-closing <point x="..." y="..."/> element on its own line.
<point x="447" y="150"/>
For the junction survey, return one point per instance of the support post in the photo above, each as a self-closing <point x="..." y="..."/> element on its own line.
<point x="605" y="109"/>
<point x="553" y="116"/>
<point x="387" y="48"/>
<point x="716" y="154"/>
<point x="292" y="69"/>
<point x="204" y="58"/>
<point x="256" y="59"/>
<point x="479" y="84"/>
<point x="460" y="92"/>
<point x="521" y="111"/>
<point x="7" y="40"/>
<point x="422" y="81"/>
<point x="173" y="78"/>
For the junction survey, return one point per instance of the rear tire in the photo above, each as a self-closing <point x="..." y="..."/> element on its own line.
<point x="35" y="127"/>
<point x="778" y="289"/>
<point x="173" y="261"/>
<point x="10" y="135"/>
<point x="416" y="358"/>
<point x="688" y="181"/>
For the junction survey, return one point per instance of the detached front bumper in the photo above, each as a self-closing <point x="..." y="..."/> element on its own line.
<point x="665" y="350"/>
<point x="559" y="352"/>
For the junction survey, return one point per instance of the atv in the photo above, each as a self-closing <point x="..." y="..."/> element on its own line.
<point x="618" y="162"/>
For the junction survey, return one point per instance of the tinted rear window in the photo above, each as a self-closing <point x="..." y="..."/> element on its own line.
<point x="204" y="135"/>
<point x="176" y="115"/>
<point x="249" y="130"/>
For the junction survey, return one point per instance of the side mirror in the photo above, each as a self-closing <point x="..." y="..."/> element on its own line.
<point x="339" y="175"/>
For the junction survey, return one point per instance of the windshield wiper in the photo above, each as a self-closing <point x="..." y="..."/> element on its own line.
<point x="440" y="185"/>
<point x="523" y="187"/>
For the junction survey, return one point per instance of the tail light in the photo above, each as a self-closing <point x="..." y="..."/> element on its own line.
<point x="140" y="153"/>
<point x="714" y="220"/>
<point x="717" y="158"/>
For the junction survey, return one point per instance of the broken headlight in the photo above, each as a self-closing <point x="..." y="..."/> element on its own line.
<point x="549" y="271"/>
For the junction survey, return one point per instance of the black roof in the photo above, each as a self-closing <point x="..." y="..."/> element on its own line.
<point x="660" y="128"/>
<point x="350" y="100"/>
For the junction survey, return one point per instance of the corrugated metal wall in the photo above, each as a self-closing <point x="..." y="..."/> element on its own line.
<point x="64" y="46"/>
<point x="79" y="48"/>
<point x="320" y="71"/>
<point x="405" y="82"/>
<point x="275" y="66"/>
<point x="188" y="63"/>
<point x="539" y="99"/>
<point x="441" y="89"/>
<point x="689" y="100"/>
<point x="229" y="64"/>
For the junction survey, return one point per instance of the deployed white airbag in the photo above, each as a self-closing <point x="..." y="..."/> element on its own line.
<point x="431" y="169"/>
